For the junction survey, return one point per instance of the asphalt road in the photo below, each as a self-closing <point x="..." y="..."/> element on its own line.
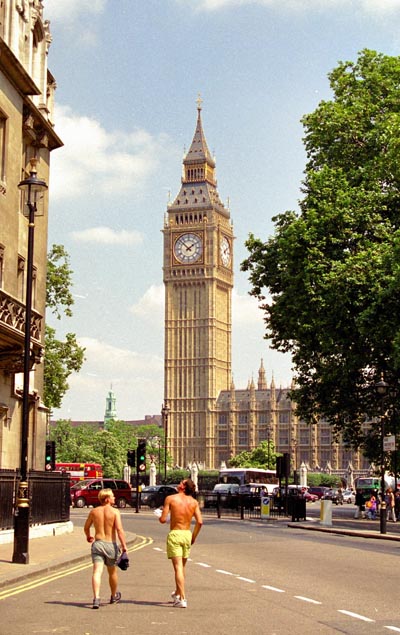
<point x="244" y="577"/>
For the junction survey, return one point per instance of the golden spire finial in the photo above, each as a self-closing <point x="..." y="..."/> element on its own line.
<point x="199" y="101"/>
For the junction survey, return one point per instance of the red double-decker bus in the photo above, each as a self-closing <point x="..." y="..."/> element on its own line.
<point x="80" y="471"/>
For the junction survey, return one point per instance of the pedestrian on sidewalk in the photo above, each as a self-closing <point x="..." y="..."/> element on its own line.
<point x="181" y="508"/>
<point x="390" y="503"/>
<point x="360" y="503"/>
<point x="107" y="524"/>
<point x="371" y="506"/>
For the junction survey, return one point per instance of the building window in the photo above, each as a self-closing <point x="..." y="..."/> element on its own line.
<point x="326" y="436"/>
<point x="264" y="435"/>
<point x="222" y="437"/>
<point x="283" y="417"/>
<point x="283" y="437"/>
<point x="243" y="437"/>
<point x="3" y="146"/>
<point x="21" y="278"/>
<point x="223" y="418"/>
<point x="262" y="417"/>
<point x="243" y="418"/>
<point x="34" y="284"/>
<point x="1" y="265"/>
<point x="325" y="457"/>
<point x="304" y="437"/>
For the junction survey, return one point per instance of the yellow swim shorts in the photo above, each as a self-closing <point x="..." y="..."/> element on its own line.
<point x="178" y="543"/>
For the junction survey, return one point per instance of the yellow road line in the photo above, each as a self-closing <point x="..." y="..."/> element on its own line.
<point x="27" y="586"/>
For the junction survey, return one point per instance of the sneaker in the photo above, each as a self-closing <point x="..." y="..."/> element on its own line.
<point x="175" y="597"/>
<point x="180" y="603"/>
<point x="96" y="603"/>
<point x="115" y="598"/>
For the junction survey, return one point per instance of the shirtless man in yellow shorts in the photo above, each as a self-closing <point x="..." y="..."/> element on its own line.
<point x="182" y="507"/>
<point x="107" y="525"/>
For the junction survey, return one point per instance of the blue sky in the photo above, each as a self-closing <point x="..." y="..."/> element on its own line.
<point x="128" y="74"/>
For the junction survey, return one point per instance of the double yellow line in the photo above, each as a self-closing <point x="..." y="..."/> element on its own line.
<point x="27" y="586"/>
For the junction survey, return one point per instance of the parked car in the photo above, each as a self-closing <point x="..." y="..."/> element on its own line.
<point x="227" y="493"/>
<point x="297" y="490"/>
<point x="318" y="490"/>
<point x="86" y="492"/>
<point x="155" y="495"/>
<point x="334" y="495"/>
<point x="349" y="497"/>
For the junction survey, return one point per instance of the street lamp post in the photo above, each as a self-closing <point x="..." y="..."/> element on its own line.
<point x="381" y="388"/>
<point x="268" y="441"/>
<point x="32" y="185"/>
<point x="164" y="414"/>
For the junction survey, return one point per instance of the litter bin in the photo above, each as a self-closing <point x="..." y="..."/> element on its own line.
<point x="298" y="508"/>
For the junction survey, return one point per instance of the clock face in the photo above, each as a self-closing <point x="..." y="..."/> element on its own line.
<point x="225" y="251"/>
<point x="188" y="248"/>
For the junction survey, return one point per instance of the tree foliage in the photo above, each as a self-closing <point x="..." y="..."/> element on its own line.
<point x="85" y="443"/>
<point x="329" y="278"/>
<point x="263" y="457"/>
<point x="61" y="357"/>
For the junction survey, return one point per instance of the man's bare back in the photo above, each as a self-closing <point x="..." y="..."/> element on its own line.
<point x="106" y="522"/>
<point x="182" y="508"/>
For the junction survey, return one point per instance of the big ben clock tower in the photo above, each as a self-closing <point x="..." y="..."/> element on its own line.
<point x="198" y="279"/>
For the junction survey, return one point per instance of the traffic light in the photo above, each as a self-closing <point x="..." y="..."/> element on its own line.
<point x="283" y="465"/>
<point x="130" y="458"/>
<point x="141" y="455"/>
<point x="50" y="457"/>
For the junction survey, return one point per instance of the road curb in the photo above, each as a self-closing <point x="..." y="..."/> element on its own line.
<point x="344" y="532"/>
<point x="24" y="574"/>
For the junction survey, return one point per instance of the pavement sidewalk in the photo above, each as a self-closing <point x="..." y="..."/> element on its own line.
<point x="48" y="554"/>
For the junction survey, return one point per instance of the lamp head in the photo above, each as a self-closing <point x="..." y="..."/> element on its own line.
<point x="381" y="387"/>
<point x="32" y="183"/>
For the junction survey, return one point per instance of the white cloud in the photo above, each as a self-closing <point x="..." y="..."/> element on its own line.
<point x="107" y="236"/>
<point x="245" y="309"/>
<point x="132" y="376"/>
<point x="70" y="10"/>
<point x="95" y="160"/>
<point x="369" y="6"/>
<point x="151" y="304"/>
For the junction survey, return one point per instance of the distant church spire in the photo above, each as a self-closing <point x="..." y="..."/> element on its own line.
<point x="111" y="410"/>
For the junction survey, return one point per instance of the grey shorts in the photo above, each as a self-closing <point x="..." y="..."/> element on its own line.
<point x="106" y="552"/>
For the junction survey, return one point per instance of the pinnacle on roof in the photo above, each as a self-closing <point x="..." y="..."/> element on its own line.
<point x="198" y="150"/>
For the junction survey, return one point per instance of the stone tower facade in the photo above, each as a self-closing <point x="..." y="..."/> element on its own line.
<point x="198" y="279"/>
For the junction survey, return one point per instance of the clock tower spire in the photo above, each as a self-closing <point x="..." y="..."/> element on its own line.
<point x="198" y="279"/>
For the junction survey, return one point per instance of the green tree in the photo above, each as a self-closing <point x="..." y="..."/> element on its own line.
<point x="263" y="457"/>
<point x="329" y="278"/>
<point x="61" y="357"/>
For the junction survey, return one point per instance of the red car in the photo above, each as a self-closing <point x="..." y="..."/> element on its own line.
<point x="310" y="498"/>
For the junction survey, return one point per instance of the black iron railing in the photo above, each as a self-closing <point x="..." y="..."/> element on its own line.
<point x="49" y="497"/>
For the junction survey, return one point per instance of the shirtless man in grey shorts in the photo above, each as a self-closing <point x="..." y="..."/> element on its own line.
<point x="107" y="525"/>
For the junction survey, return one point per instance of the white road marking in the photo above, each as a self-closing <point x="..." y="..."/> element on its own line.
<point x="246" y="579"/>
<point x="301" y="597"/>
<point x="356" y="615"/>
<point x="203" y="564"/>
<point x="224" y="572"/>
<point x="272" y="588"/>
<point x="157" y="549"/>
<point x="392" y="628"/>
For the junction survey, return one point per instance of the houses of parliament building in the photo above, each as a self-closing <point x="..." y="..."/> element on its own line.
<point x="206" y="418"/>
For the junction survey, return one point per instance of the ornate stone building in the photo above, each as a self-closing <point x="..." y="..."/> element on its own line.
<point x="207" y="419"/>
<point x="26" y="132"/>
